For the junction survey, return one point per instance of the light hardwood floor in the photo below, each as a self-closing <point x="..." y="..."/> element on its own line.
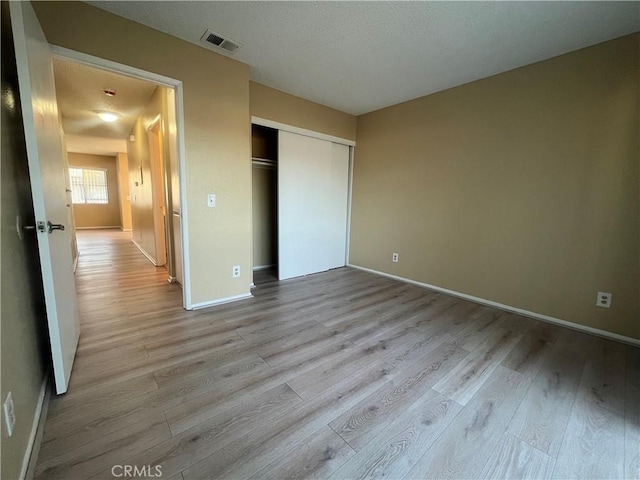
<point x="337" y="375"/>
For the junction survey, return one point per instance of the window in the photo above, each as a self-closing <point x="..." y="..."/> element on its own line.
<point x="89" y="185"/>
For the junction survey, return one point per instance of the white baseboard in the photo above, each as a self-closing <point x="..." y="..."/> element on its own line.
<point x="508" y="308"/>
<point x="263" y="267"/>
<point x="37" y="430"/>
<point x="75" y="262"/>
<point x="144" y="252"/>
<point x="212" y="303"/>
<point x="100" y="228"/>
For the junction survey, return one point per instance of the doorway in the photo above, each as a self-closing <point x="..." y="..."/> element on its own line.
<point x="146" y="152"/>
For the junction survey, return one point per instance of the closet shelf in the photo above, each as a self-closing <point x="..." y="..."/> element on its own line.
<point x="263" y="161"/>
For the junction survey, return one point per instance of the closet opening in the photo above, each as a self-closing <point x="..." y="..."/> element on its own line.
<point x="264" y="162"/>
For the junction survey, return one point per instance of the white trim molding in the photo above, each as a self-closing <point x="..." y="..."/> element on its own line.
<point x="301" y="131"/>
<point x="104" y="64"/>
<point x="525" y="313"/>
<point x="349" y="205"/>
<point x="37" y="429"/>
<point x="144" y="252"/>
<point x="221" y="301"/>
<point x="106" y="227"/>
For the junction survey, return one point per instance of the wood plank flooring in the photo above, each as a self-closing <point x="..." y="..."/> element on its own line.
<point x="338" y="375"/>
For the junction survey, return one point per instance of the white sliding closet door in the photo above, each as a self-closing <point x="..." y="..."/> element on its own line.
<point x="313" y="184"/>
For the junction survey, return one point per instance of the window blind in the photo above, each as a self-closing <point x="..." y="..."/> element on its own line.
<point x="89" y="185"/>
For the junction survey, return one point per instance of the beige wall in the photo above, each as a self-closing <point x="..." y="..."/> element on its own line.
<point x="521" y="188"/>
<point x="217" y="133"/>
<point x="265" y="202"/>
<point x="140" y="185"/>
<point x="122" y="162"/>
<point x="22" y="313"/>
<point x="91" y="215"/>
<point x="272" y="104"/>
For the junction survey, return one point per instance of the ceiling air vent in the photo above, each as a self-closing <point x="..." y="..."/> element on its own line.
<point x="220" y="42"/>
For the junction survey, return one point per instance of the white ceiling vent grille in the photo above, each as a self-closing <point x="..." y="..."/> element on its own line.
<point x="220" y="42"/>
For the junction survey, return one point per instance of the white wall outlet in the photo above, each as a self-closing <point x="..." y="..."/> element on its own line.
<point x="9" y="414"/>
<point x="604" y="299"/>
<point x="236" y="271"/>
<point x="394" y="258"/>
<point x="211" y="200"/>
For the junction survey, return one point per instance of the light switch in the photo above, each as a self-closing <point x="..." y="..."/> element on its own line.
<point x="211" y="200"/>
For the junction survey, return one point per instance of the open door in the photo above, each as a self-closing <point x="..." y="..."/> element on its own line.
<point x="47" y="175"/>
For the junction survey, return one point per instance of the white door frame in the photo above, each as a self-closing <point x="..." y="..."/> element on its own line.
<point x="301" y="131"/>
<point x="176" y="85"/>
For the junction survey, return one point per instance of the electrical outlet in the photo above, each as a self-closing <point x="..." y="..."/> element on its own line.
<point x="394" y="258"/>
<point x="9" y="414"/>
<point x="236" y="271"/>
<point x="604" y="299"/>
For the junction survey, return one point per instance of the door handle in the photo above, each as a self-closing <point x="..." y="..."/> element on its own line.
<point x="54" y="226"/>
<point x="41" y="227"/>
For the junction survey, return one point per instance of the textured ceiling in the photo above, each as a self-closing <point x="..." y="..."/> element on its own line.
<point x="362" y="56"/>
<point x="95" y="145"/>
<point x="79" y="90"/>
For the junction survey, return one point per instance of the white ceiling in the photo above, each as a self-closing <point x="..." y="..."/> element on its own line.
<point x="79" y="91"/>
<point x="362" y="56"/>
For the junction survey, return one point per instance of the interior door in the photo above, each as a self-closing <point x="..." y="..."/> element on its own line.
<point x="47" y="175"/>
<point x="313" y="186"/>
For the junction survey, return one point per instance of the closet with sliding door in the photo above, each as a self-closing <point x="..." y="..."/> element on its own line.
<point x="300" y="203"/>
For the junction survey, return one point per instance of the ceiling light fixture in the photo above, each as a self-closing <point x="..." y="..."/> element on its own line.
<point x="107" y="116"/>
